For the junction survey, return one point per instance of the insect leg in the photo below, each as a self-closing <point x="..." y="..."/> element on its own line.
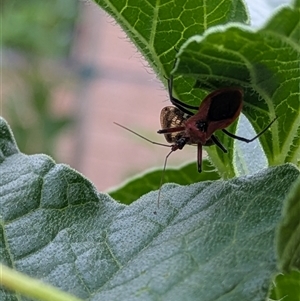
<point x="171" y="130"/>
<point x="199" y="157"/>
<point x="176" y="102"/>
<point x="245" y="139"/>
<point x="218" y="143"/>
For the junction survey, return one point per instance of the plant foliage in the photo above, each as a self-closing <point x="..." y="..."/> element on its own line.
<point x="223" y="238"/>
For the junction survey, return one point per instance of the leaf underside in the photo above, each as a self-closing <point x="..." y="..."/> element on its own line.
<point x="216" y="48"/>
<point x="265" y="63"/>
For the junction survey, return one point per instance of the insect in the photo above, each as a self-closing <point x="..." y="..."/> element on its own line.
<point x="181" y="126"/>
<point x="217" y="111"/>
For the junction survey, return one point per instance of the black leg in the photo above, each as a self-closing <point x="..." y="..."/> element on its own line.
<point x="177" y="102"/>
<point x="218" y="143"/>
<point x="199" y="157"/>
<point x="245" y="139"/>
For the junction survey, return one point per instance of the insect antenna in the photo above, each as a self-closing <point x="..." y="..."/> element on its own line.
<point x="135" y="133"/>
<point x="162" y="177"/>
<point x="173" y="148"/>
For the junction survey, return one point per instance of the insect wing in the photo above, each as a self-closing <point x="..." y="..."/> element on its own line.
<point x="225" y="106"/>
<point x="171" y="117"/>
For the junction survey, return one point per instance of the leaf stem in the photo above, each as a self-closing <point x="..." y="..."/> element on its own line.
<point x="31" y="287"/>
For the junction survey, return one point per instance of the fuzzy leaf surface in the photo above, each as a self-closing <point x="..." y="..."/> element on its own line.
<point x="213" y="239"/>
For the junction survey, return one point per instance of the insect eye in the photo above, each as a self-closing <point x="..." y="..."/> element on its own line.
<point x="181" y="141"/>
<point x="201" y="125"/>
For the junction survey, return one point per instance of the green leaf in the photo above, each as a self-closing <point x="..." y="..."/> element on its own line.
<point x="286" y="287"/>
<point x="213" y="240"/>
<point x="218" y="53"/>
<point x="150" y="180"/>
<point x="158" y="28"/>
<point x="288" y="240"/>
<point x="265" y="63"/>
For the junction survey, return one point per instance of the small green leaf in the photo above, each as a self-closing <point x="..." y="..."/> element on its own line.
<point x="150" y="180"/>
<point x="286" y="287"/>
<point x="213" y="240"/>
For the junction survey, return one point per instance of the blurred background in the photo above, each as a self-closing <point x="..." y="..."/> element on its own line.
<point x="69" y="72"/>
